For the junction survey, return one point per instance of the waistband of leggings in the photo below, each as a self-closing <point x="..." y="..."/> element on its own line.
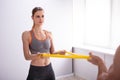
<point x="33" y="66"/>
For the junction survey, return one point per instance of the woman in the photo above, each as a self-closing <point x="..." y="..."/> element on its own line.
<point x="35" y="42"/>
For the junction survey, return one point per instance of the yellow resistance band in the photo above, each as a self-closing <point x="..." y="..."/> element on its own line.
<point x="67" y="55"/>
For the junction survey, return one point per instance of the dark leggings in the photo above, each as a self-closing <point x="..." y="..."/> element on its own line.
<point x="41" y="73"/>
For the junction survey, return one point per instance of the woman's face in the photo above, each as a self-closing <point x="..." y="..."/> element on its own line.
<point x="38" y="18"/>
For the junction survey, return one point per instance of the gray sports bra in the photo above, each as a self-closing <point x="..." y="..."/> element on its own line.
<point x="42" y="46"/>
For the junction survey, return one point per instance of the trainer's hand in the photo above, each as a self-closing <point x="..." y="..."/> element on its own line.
<point x="95" y="59"/>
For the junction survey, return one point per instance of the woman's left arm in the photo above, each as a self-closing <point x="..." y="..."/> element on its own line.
<point x="52" y="49"/>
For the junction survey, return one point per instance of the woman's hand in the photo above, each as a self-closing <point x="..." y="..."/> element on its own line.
<point x="62" y="52"/>
<point x="40" y="55"/>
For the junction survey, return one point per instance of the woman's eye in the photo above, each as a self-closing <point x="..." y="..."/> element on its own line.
<point x="42" y="16"/>
<point x="38" y="16"/>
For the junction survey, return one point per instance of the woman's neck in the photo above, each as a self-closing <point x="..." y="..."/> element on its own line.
<point x="38" y="29"/>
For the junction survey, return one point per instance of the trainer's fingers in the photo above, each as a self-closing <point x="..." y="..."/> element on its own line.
<point x="92" y="57"/>
<point x="91" y="54"/>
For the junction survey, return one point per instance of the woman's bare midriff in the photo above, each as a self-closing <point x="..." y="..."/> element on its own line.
<point x="41" y="61"/>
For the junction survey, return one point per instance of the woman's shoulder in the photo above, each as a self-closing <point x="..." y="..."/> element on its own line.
<point x="26" y="34"/>
<point x="48" y="33"/>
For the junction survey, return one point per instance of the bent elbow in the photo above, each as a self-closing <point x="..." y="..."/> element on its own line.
<point x="27" y="58"/>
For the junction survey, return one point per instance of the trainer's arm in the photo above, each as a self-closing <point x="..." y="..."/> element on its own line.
<point x="102" y="70"/>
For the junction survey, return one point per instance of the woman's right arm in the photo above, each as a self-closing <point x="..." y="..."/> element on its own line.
<point x="26" y="41"/>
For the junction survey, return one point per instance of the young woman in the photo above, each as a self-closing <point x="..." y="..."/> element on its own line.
<point x="35" y="42"/>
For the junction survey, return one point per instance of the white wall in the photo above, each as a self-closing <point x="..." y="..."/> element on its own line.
<point x="78" y="21"/>
<point x="116" y="22"/>
<point x="15" y="17"/>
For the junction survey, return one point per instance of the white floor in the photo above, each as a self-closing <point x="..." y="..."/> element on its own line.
<point x="70" y="78"/>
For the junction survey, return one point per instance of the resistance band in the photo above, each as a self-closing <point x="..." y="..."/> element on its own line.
<point x="67" y="55"/>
